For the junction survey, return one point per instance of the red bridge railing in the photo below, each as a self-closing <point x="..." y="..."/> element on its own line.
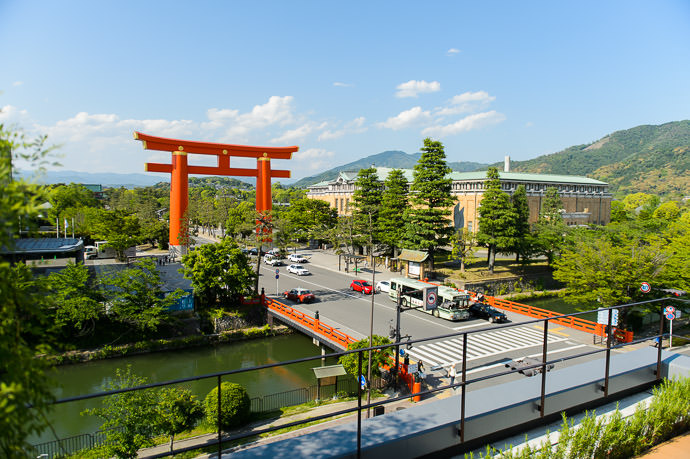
<point x="311" y="323"/>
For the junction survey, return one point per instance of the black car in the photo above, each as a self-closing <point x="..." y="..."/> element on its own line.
<point x="484" y="311"/>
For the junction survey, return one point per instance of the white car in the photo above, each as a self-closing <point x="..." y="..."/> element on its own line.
<point x="298" y="269"/>
<point x="383" y="286"/>
<point x="269" y="260"/>
<point x="295" y="258"/>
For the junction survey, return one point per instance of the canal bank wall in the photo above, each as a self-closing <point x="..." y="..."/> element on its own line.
<point x="159" y="345"/>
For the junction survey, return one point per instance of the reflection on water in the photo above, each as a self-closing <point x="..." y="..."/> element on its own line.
<point x="90" y="377"/>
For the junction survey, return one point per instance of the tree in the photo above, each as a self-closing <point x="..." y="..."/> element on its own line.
<point x="496" y="218"/>
<point x="379" y="358"/>
<point x="311" y="218"/>
<point x="130" y="419"/>
<point x="522" y="237"/>
<point x="462" y="243"/>
<point x="218" y="272"/>
<point x="25" y="388"/>
<point x="178" y="411"/>
<point x="78" y="303"/>
<point x="550" y="230"/>
<point x="366" y="202"/>
<point x="393" y="200"/>
<point x="598" y="273"/>
<point x="72" y="196"/>
<point x="135" y="296"/>
<point x="235" y="406"/>
<point x="122" y="231"/>
<point x="428" y="224"/>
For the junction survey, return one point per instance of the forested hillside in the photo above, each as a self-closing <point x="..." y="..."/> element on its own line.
<point x="650" y="159"/>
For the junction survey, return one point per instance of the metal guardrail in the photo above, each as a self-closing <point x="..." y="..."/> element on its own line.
<point x="462" y="385"/>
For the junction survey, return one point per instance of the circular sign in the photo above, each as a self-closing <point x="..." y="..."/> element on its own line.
<point x="645" y="287"/>
<point x="277" y="276"/>
<point x="670" y="316"/>
<point x="669" y="310"/>
<point x="277" y="271"/>
<point x="431" y="298"/>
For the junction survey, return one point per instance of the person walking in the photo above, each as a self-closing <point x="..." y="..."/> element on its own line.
<point x="452" y="374"/>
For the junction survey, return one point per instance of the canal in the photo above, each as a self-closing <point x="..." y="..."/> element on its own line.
<point x="90" y="377"/>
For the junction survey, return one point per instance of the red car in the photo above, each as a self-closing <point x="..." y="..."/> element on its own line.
<point x="300" y="295"/>
<point x="361" y="286"/>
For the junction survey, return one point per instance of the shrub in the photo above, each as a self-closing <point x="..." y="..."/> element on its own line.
<point x="234" y="406"/>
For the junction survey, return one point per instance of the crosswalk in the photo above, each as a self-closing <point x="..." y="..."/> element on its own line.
<point x="480" y="345"/>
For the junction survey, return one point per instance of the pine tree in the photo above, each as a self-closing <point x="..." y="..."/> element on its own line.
<point x="428" y="224"/>
<point x="394" y="202"/>
<point x="522" y="242"/>
<point x="496" y="218"/>
<point x="366" y="203"/>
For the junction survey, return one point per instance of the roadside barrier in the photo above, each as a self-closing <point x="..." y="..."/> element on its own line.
<point x="311" y="323"/>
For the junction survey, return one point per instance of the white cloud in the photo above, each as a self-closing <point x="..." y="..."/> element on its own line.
<point x="11" y="114"/>
<point x="313" y="153"/>
<point x="413" y="87"/>
<point x="17" y="83"/>
<point x="405" y="119"/>
<point x="343" y="85"/>
<point x="355" y="126"/>
<point x="313" y="159"/>
<point x="466" y="102"/>
<point x="452" y="51"/>
<point x="299" y="133"/>
<point x="529" y="124"/>
<point x="468" y="123"/>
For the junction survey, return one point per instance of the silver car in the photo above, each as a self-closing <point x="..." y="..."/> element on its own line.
<point x="298" y="269"/>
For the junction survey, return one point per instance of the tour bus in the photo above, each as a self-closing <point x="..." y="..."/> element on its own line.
<point x="451" y="304"/>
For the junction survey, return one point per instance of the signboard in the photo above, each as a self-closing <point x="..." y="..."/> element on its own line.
<point x="669" y="310"/>
<point x="670" y="316"/>
<point x="362" y="381"/>
<point x="412" y="368"/>
<point x="431" y="298"/>
<point x="645" y="287"/>
<point x="414" y="268"/>
<point x="184" y="303"/>
<point x="603" y="317"/>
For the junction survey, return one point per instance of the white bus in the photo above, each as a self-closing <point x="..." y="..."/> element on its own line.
<point x="449" y="303"/>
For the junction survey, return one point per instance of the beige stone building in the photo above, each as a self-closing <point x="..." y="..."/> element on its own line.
<point x="585" y="201"/>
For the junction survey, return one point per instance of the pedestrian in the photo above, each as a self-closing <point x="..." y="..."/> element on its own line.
<point x="420" y="369"/>
<point x="452" y="374"/>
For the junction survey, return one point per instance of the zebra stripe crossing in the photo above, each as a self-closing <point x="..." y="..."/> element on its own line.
<point x="480" y="345"/>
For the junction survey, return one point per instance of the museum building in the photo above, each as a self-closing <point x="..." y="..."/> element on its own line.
<point x="586" y="201"/>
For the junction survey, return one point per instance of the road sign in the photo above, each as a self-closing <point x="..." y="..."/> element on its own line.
<point x="645" y="287"/>
<point x="277" y="271"/>
<point x="669" y="310"/>
<point x="402" y="352"/>
<point x="277" y="276"/>
<point x="362" y="381"/>
<point x="431" y="297"/>
<point x="670" y="316"/>
<point x="603" y="317"/>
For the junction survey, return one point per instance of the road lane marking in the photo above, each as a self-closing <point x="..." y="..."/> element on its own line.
<point x="495" y="365"/>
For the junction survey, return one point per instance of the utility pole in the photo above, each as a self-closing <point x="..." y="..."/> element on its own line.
<point x="397" y="339"/>
<point x="371" y="318"/>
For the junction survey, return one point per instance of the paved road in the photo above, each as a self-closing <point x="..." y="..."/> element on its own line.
<point x="488" y="350"/>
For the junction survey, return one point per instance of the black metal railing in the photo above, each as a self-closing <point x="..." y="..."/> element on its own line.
<point x="463" y="384"/>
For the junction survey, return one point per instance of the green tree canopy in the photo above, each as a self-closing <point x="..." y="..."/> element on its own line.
<point x="428" y="225"/>
<point x="394" y="201"/>
<point x="130" y="419"/>
<point x="178" y="411"/>
<point x="135" y="296"/>
<point x="522" y="239"/>
<point x="379" y="358"/>
<point x="550" y="231"/>
<point x="25" y="387"/>
<point x="311" y="218"/>
<point x="218" y="272"/>
<point x="78" y="303"/>
<point x="366" y="202"/>
<point x="122" y="231"/>
<point x="497" y="218"/>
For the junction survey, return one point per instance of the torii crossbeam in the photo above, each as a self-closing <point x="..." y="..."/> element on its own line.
<point x="179" y="172"/>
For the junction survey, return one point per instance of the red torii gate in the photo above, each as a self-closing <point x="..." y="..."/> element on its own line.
<point x="179" y="171"/>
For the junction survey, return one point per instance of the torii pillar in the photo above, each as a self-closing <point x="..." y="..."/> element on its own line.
<point x="179" y="171"/>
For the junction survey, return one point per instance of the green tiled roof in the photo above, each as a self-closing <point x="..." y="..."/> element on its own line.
<point x="383" y="172"/>
<point x="525" y="177"/>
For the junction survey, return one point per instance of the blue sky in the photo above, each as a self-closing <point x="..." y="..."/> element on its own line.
<point x="340" y="80"/>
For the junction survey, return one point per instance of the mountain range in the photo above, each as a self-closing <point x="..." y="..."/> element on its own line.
<point x="649" y="158"/>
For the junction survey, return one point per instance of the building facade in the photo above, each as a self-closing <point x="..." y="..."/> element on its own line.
<point x="586" y="201"/>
